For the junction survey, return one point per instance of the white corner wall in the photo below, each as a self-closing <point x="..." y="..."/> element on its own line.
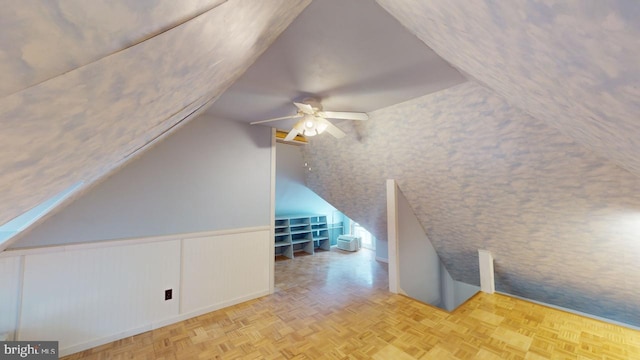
<point x="212" y="174"/>
<point x="86" y="295"/>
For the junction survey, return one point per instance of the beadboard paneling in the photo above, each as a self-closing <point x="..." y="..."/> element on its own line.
<point x="9" y="293"/>
<point x="221" y="270"/>
<point x="81" y="296"/>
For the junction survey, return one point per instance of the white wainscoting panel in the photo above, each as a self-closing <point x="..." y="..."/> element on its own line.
<point x="82" y="296"/>
<point x="219" y="271"/>
<point x="9" y="293"/>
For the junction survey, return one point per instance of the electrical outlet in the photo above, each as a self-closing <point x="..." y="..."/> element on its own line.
<point x="168" y="294"/>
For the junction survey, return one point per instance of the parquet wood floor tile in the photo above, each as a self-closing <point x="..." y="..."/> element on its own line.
<point x="335" y="305"/>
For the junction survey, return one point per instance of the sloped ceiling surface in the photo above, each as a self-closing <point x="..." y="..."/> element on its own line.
<point x="58" y="129"/>
<point x="42" y="39"/>
<point x="575" y="64"/>
<point x="563" y="223"/>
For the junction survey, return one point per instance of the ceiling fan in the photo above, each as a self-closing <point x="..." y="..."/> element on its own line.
<point x="313" y="120"/>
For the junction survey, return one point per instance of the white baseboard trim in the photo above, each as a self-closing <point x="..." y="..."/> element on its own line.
<point x="384" y="260"/>
<point x="104" y="340"/>
<point x="595" y="317"/>
<point x="156" y="325"/>
<point x="210" y="308"/>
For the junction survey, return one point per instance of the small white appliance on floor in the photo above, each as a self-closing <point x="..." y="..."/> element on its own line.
<point x="349" y="242"/>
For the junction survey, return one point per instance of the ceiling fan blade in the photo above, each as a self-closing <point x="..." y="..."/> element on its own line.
<point x="276" y="119"/>
<point x="291" y="135"/>
<point x="332" y="129"/>
<point x="344" y="115"/>
<point x="305" y="108"/>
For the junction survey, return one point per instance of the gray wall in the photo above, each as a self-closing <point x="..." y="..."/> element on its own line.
<point x="292" y="195"/>
<point x="418" y="261"/>
<point x="211" y="175"/>
<point x="454" y="293"/>
<point x="382" y="249"/>
<point x="422" y="274"/>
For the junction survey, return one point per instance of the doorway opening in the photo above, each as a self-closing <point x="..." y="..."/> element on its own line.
<point x="367" y="240"/>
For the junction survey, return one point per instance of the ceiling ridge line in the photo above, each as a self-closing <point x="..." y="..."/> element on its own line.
<point x="136" y="43"/>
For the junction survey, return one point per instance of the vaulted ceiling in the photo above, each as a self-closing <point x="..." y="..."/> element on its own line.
<point x="86" y="85"/>
<point x="535" y="157"/>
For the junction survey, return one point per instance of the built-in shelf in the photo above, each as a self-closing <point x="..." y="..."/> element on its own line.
<point x="301" y="233"/>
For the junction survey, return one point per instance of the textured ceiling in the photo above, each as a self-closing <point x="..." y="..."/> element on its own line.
<point x="575" y="64"/>
<point x="349" y="53"/>
<point x="42" y="39"/>
<point x="79" y="125"/>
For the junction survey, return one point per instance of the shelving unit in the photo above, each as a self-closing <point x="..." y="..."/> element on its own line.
<point x="283" y="238"/>
<point x="300" y="233"/>
<point x="320" y="232"/>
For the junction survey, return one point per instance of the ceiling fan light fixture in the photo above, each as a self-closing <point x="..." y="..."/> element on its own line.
<point x="310" y="126"/>
<point x="313" y="120"/>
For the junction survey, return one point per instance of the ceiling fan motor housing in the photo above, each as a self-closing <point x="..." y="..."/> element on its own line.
<point x="315" y="103"/>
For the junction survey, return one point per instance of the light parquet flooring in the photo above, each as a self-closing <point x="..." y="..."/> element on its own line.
<point x="335" y="305"/>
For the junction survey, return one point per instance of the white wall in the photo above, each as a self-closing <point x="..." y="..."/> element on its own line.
<point x="292" y="195"/>
<point x="210" y="175"/>
<point x="212" y="275"/>
<point x="80" y="296"/>
<point x="85" y="295"/>
<point x="9" y="293"/>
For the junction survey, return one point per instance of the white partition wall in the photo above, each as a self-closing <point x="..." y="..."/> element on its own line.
<point x="85" y="295"/>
